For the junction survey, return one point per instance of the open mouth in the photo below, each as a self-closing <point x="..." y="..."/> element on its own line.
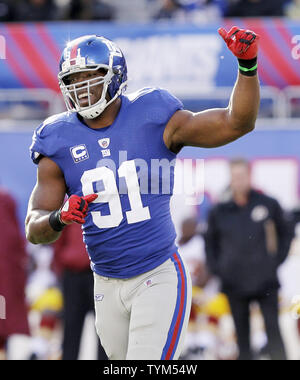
<point x="82" y="96"/>
<point x="83" y="99"/>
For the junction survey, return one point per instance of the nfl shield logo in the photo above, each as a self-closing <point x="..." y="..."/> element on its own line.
<point x="148" y="282"/>
<point x="104" y="143"/>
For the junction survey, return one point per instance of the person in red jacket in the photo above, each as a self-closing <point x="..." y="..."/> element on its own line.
<point x="12" y="272"/>
<point x="72" y="262"/>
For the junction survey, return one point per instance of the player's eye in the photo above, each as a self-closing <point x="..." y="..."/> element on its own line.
<point x="69" y="80"/>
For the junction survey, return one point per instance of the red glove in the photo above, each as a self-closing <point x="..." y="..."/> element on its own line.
<point x="242" y="43"/>
<point x="75" y="209"/>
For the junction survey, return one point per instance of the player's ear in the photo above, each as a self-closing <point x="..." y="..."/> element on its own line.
<point x="102" y="71"/>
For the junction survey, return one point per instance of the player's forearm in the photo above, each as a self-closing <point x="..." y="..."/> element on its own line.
<point x="245" y="98"/>
<point x="38" y="229"/>
<point x="244" y="103"/>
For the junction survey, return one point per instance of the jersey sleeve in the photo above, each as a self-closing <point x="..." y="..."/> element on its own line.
<point x="44" y="142"/>
<point x="167" y="105"/>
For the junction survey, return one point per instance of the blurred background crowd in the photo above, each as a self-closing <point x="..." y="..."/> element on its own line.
<point x="143" y="10"/>
<point x="246" y="289"/>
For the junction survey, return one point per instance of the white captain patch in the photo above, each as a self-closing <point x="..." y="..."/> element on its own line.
<point x="79" y="153"/>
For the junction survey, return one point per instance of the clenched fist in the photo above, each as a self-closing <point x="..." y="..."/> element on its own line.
<point x="241" y="42"/>
<point x="73" y="211"/>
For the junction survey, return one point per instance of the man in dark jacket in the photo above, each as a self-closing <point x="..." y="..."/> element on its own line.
<point x="247" y="239"/>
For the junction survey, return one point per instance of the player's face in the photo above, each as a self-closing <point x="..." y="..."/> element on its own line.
<point x="240" y="179"/>
<point x="82" y="94"/>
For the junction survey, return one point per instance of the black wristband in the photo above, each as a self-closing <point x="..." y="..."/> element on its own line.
<point x="54" y="221"/>
<point x="248" y="67"/>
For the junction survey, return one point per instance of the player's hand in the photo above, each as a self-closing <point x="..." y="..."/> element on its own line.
<point x="241" y="42"/>
<point x="75" y="209"/>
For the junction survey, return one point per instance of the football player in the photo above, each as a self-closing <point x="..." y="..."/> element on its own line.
<point x="93" y="152"/>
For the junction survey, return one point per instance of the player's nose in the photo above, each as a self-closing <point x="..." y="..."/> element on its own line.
<point x="80" y="80"/>
<point x="81" y="77"/>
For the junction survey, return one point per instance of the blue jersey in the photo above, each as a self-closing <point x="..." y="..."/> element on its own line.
<point x="128" y="230"/>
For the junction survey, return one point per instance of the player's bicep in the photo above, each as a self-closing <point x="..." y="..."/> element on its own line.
<point x="207" y="129"/>
<point x="50" y="189"/>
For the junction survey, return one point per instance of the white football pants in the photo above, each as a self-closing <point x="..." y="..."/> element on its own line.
<point x="144" y="317"/>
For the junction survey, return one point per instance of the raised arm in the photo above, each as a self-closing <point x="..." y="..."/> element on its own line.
<point x="216" y="127"/>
